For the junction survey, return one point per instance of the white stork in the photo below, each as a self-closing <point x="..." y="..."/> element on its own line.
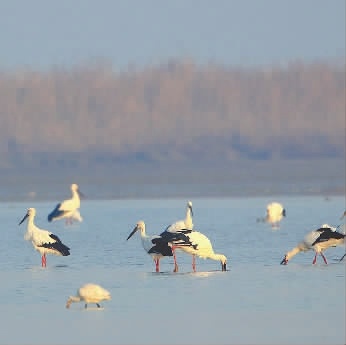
<point x="275" y="213"/>
<point x="68" y="208"/>
<point x="180" y="226"/>
<point x="158" y="246"/>
<point x="90" y="293"/>
<point x="201" y="247"/>
<point x="43" y="241"/>
<point x="318" y="240"/>
<point x="184" y="224"/>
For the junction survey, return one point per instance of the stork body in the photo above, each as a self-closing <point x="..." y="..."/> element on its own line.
<point x="42" y="240"/>
<point x="202" y="247"/>
<point x="158" y="246"/>
<point x="68" y="209"/>
<point x="184" y="224"/>
<point x="318" y="240"/>
<point x="180" y="226"/>
<point x="89" y="293"/>
<point x="275" y="213"/>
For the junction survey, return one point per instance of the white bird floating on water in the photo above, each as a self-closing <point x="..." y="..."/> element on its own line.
<point x="43" y="241"/>
<point x="89" y="293"/>
<point x="159" y="246"/>
<point x="68" y="209"/>
<point x="318" y="240"/>
<point x="275" y="213"/>
<point x="201" y="247"/>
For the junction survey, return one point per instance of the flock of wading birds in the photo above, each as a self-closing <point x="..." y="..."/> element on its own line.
<point x="179" y="235"/>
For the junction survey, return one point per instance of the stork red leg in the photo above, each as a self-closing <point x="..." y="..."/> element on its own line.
<point x="176" y="268"/>
<point x="324" y="258"/>
<point x="194" y="263"/>
<point x="314" y="261"/>
<point x="44" y="260"/>
<point x="157" y="265"/>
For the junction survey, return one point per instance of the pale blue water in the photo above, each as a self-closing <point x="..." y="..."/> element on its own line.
<point x="257" y="301"/>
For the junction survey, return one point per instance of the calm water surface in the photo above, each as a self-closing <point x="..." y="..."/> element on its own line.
<point x="257" y="301"/>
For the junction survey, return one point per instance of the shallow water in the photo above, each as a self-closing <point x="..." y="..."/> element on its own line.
<point x="257" y="301"/>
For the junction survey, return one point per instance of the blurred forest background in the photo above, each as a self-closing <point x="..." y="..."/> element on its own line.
<point x="92" y="118"/>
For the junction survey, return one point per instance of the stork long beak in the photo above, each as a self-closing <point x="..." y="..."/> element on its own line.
<point x="81" y="195"/>
<point x="133" y="231"/>
<point x="191" y="210"/>
<point x="26" y="216"/>
<point x="284" y="261"/>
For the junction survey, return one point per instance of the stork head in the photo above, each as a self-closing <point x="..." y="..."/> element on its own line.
<point x="139" y="226"/>
<point x="223" y="261"/>
<point x="189" y="206"/>
<point x="75" y="188"/>
<point x="30" y="212"/>
<point x="284" y="261"/>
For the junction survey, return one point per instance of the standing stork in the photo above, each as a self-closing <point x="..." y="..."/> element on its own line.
<point x="158" y="246"/>
<point x="89" y="293"/>
<point x="201" y="247"/>
<point x="68" y="209"/>
<point x="180" y="226"/>
<point x="43" y="241"/>
<point x="318" y="240"/>
<point x="186" y="223"/>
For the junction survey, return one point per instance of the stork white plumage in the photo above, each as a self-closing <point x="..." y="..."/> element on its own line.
<point x="184" y="224"/>
<point x="68" y="209"/>
<point x="90" y="293"/>
<point x="201" y="247"/>
<point x="77" y="216"/>
<point x="180" y="226"/>
<point x="275" y="213"/>
<point x="158" y="246"/>
<point x="43" y="241"/>
<point x="318" y="240"/>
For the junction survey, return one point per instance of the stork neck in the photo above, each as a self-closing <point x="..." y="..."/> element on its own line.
<point x="219" y="257"/>
<point x="31" y="224"/>
<point x="188" y="219"/>
<point x="293" y="252"/>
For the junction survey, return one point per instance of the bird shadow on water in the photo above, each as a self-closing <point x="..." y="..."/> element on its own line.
<point x="191" y="274"/>
<point x="44" y="269"/>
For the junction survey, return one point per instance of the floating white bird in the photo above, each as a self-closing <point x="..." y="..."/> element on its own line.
<point x="89" y="293"/>
<point x="43" y="241"/>
<point x="159" y="246"/>
<point x="318" y="240"/>
<point x="275" y="213"/>
<point x="67" y="208"/>
<point x="185" y="224"/>
<point x="201" y="247"/>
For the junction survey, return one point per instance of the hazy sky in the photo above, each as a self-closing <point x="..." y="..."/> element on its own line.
<point x="43" y="33"/>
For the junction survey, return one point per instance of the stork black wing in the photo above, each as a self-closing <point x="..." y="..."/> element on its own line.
<point x="327" y="234"/>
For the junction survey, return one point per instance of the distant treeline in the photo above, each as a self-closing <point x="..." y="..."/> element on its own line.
<point x="179" y="110"/>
